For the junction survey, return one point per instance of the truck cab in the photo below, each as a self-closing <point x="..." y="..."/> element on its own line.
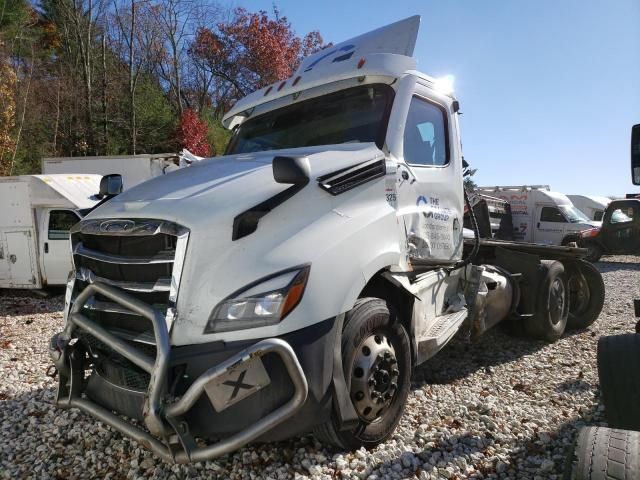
<point x="619" y="233"/>
<point x="292" y="284"/>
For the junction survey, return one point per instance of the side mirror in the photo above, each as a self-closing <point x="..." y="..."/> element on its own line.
<point x="291" y="170"/>
<point x="635" y="154"/>
<point x="110" y="185"/>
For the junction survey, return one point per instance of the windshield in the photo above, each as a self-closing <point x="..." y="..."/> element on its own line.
<point x="573" y="215"/>
<point x="619" y="217"/>
<point x="358" y="114"/>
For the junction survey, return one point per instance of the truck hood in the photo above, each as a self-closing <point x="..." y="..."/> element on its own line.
<point x="224" y="185"/>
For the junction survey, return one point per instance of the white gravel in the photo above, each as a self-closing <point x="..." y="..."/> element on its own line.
<point x="500" y="408"/>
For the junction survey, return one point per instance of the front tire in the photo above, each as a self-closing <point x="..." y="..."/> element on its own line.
<point x="376" y="358"/>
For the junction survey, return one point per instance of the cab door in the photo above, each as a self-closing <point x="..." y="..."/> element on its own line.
<point x="56" y="249"/>
<point x="429" y="175"/>
<point x="549" y="224"/>
<point x="620" y="232"/>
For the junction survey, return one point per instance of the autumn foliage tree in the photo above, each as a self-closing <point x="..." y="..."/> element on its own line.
<point x="191" y="134"/>
<point x="7" y="115"/>
<point x="250" y="51"/>
<point x="116" y="77"/>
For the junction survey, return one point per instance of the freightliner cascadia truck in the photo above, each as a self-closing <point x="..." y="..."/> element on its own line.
<point x="293" y="284"/>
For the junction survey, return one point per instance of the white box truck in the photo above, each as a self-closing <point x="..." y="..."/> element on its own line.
<point x="593" y="206"/>
<point x="294" y="284"/>
<point x="36" y="214"/>
<point x="134" y="169"/>
<point x="540" y="215"/>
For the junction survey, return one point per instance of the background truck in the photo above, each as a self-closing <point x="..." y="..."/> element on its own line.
<point x="134" y="169"/>
<point x="35" y="218"/>
<point x="619" y="233"/>
<point x="592" y="206"/>
<point x="540" y="215"/>
<point x="613" y="452"/>
<point x="294" y="284"/>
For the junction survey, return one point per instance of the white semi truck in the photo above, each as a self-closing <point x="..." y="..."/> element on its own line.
<point x="36" y="215"/>
<point x="294" y="284"/>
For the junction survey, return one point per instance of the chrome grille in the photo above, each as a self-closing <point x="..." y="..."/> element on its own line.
<point x="142" y="257"/>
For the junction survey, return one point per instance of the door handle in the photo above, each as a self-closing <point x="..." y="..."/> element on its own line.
<point x="46" y="247"/>
<point x="538" y="224"/>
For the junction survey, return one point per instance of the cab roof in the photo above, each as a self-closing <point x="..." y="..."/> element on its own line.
<point x="384" y="52"/>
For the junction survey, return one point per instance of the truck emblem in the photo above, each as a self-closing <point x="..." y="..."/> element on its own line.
<point x="238" y="384"/>
<point x="114" y="226"/>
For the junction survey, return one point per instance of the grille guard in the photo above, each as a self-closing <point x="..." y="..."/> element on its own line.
<point x="163" y="419"/>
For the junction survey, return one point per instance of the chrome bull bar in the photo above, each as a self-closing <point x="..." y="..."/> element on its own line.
<point x="161" y="417"/>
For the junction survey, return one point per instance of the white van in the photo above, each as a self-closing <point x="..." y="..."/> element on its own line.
<point x="540" y="215"/>
<point x="593" y="206"/>
<point x="36" y="215"/>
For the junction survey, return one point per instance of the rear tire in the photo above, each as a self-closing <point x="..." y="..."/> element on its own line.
<point x="552" y="306"/>
<point x="619" y="374"/>
<point x="376" y="357"/>
<point x="586" y="294"/>
<point x="595" y="251"/>
<point x="604" y="454"/>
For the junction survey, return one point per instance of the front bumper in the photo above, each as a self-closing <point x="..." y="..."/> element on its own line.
<point x="168" y="431"/>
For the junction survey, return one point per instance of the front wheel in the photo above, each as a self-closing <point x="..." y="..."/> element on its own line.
<point x="376" y="358"/>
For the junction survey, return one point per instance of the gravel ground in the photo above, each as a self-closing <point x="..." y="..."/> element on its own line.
<point x="500" y="408"/>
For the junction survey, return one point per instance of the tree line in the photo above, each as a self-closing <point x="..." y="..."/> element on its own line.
<point x="109" y="77"/>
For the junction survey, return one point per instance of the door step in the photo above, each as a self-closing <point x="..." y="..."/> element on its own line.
<point x="445" y="327"/>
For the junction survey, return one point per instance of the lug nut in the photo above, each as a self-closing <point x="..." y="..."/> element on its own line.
<point x="372" y="382"/>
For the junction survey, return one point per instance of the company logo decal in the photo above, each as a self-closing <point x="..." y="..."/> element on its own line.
<point x="117" y="226"/>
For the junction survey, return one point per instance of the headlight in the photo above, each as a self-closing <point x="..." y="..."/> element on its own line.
<point x="265" y="302"/>
<point x="590" y="233"/>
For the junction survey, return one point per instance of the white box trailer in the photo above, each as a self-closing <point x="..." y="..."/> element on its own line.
<point x="134" y="169"/>
<point x="540" y="215"/>
<point x="36" y="216"/>
<point x="592" y="206"/>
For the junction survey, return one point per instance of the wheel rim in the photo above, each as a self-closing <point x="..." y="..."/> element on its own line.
<point x="579" y="294"/>
<point x="557" y="300"/>
<point x="374" y="377"/>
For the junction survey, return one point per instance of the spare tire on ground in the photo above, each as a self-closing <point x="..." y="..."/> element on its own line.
<point x="619" y="373"/>
<point x="586" y="293"/>
<point x="604" y="454"/>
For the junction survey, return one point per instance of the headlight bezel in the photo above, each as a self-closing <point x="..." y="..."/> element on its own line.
<point x="286" y="287"/>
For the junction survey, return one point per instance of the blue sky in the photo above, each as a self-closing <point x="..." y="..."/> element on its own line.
<point x="549" y="89"/>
